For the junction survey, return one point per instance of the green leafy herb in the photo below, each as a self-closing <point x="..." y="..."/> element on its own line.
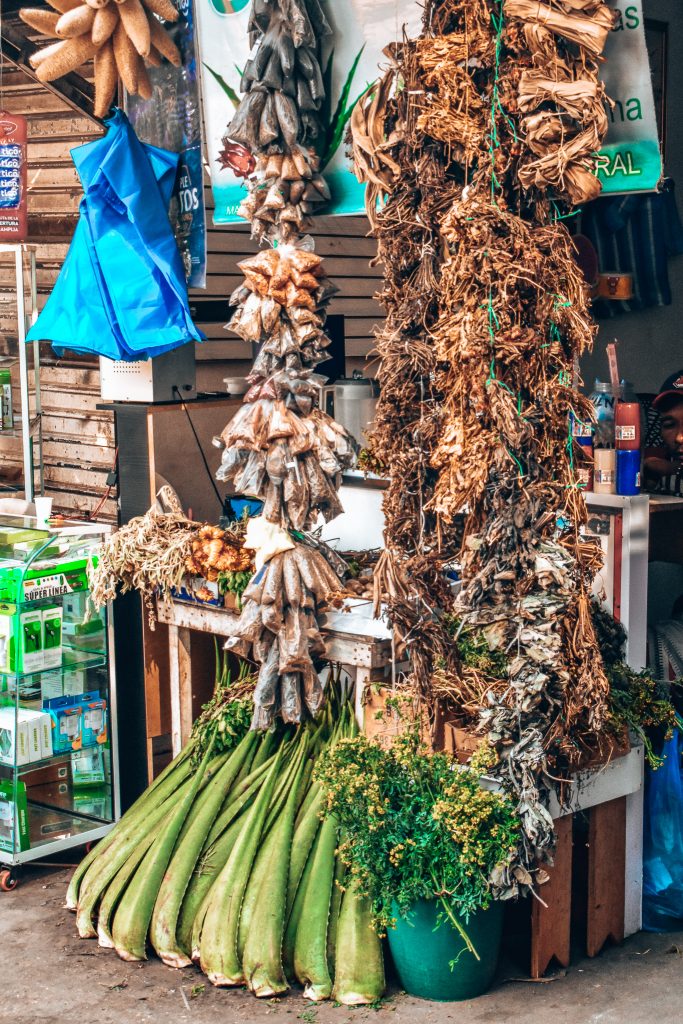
<point x="234" y="583"/>
<point x="227" y="716"/>
<point x="416" y="825"/>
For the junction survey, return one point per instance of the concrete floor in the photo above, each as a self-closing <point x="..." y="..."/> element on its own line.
<point x="50" y="976"/>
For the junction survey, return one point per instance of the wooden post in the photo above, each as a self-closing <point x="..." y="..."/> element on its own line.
<point x="180" y="648"/>
<point x="606" y="874"/>
<point x="551" y="925"/>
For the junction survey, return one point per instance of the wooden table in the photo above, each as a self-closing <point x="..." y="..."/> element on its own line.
<point x="361" y="645"/>
<point x="612" y="795"/>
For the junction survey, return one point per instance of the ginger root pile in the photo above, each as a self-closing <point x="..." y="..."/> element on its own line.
<point x="120" y="37"/>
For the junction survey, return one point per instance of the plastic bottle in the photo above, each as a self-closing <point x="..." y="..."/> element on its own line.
<point x="605" y="471"/>
<point x="604" y="400"/>
<point x="628" y="471"/>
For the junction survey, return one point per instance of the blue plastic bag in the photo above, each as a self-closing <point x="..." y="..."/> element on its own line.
<point x="663" y="843"/>
<point x="122" y="291"/>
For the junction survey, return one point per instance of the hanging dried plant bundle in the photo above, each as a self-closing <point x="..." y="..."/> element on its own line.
<point x="280" y="447"/>
<point x="488" y="119"/>
<point x="279" y="118"/>
<point x="87" y="31"/>
<point x="562" y="97"/>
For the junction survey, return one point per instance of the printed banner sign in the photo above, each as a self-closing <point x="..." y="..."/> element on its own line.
<point x="362" y="28"/>
<point x="630" y="159"/>
<point x="13" y="159"/>
<point x="171" y="119"/>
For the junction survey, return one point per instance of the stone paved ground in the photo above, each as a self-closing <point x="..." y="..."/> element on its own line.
<point x="50" y="976"/>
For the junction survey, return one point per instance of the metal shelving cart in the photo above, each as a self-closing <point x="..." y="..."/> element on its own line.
<point x="58" y="745"/>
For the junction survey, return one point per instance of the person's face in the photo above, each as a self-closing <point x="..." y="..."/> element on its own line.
<point x="671" y="426"/>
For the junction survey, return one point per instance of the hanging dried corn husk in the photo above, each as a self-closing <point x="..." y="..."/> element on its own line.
<point x="88" y="30"/>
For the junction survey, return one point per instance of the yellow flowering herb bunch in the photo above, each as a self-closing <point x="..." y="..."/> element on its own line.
<point x="416" y="825"/>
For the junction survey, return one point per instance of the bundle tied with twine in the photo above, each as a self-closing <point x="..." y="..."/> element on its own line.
<point x="492" y="118"/>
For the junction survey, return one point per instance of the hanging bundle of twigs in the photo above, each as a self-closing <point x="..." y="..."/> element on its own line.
<point x="492" y="118"/>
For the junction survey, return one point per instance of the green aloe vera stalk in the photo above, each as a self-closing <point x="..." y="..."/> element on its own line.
<point x="252" y="895"/>
<point x="304" y="836"/>
<point x="241" y="795"/>
<point x="115" y="890"/>
<point x="102" y="871"/>
<point x="134" y="912"/>
<point x="165" y="784"/>
<point x="210" y="865"/>
<point x="269" y="744"/>
<point x="295" y="915"/>
<point x="186" y="854"/>
<point x="335" y="906"/>
<point x="310" y="945"/>
<point x="262" y="961"/>
<point x="218" y="946"/>
<point x="359" y="965"/>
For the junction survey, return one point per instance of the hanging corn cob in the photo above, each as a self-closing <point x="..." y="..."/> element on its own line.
<point x="121" y="37"/>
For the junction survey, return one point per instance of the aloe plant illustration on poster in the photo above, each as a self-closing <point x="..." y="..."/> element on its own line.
<point x="630" y="160"/>
<point x="362" y="28"/>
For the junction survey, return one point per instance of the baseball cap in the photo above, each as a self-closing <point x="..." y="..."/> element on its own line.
<point x="672" y="387"/>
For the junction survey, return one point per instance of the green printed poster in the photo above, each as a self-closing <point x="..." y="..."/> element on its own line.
<point x="361" y="30"/>
<point x="630" y="159"/>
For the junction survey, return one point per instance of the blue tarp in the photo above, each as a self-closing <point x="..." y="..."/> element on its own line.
<point x="122" y="291"/>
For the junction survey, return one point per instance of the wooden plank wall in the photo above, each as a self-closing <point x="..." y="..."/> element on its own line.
<point x="79" y="441"/>
<point x="347" y="250"/>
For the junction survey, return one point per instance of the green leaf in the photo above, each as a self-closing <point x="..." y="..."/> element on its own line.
<point x="338" y="122"/>
<point x="227" y="89"/>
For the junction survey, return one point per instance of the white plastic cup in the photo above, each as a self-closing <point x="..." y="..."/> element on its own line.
<point x="43" y="510"/>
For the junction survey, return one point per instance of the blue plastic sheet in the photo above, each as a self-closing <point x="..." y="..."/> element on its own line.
<point x="663" y="843"/>
<point x="122" y="291"/>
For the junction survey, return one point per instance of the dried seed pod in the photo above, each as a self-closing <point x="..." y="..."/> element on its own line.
<point x="163" y="43"/>
<point x="40" y="56"/>
<point x="76" y="22"/>
<point x="136" y="24"/>
<point x="40" y="20"/>
<point x="106" y="20"/>
<point x="154" y="57"/>
<point x="64" y="5"/>
<point x="68" y="56"/>
<point x="164" y="8"/>
<point x="106" y="78"/>
<point x="126" y="59"/>
<point x="145" y="88"/>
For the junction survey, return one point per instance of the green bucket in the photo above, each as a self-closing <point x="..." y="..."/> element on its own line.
<point x="422" y="952"/>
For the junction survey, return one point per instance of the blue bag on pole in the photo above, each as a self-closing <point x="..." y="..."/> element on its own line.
<point x="121" y="292"/>
<point x="663" y="843"/>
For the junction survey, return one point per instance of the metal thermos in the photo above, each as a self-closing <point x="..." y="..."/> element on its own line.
<point x="352" y="402"/>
